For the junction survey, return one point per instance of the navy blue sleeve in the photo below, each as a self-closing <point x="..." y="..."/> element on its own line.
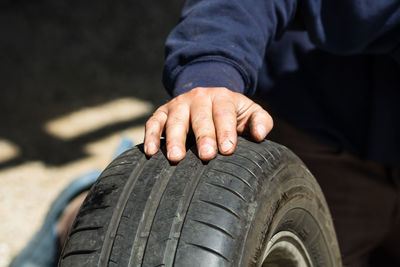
<point x="222" y="42"/>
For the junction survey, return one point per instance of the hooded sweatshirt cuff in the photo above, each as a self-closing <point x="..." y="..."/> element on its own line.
<point x="208" y="74"/>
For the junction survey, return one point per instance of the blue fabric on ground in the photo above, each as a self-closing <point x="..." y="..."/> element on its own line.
<point x="42" y="249"/>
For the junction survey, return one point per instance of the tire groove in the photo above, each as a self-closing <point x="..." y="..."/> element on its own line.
<point x="95" y="208"/>
<point x="216" y="253"/>
<point x="228" y="189"/>
<point x="148" y="216"/>
<point x="112" y="175"/>
<point x="124" y="160"/>
<point x="240" y="166"/>
<point x="118" y="165"/>
<point x="119" y="208"/>
<point x="233" y="175"/>
<point x="79" y="252"/>
<point x="249" y="159"/>
<point x="216" y="227"/>
<point x="254" y="149"/>
<point x="183" y="207"/>
<point x="257" y="152"/>
<point x="270" y="153"/>
<point x="221" y="207"/>
<point x="81" y="229"/>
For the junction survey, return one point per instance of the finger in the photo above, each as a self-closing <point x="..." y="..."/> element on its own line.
<point x="176" y="129"/>
<point x="224" y="116"/>
<point x="260" y="123"/>
<point x="153" y="130"/>
<point x="203" y="128"/>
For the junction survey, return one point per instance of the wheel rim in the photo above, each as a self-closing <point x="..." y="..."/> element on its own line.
<point x="285" y="249"/>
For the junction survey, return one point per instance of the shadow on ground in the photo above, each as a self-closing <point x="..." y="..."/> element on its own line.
<point x="59" y="56"/>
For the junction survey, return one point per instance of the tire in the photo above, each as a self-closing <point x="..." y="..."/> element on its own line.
<point x="257" y="207"/>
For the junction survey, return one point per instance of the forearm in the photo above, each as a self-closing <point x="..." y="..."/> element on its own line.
<point x="234" y="33"/>
<point x="230" y="37"/>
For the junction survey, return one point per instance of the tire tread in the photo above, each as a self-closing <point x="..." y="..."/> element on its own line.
<point x="189" y="214"/>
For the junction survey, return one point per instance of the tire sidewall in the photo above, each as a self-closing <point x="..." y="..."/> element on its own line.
<point x="291" y="200"/>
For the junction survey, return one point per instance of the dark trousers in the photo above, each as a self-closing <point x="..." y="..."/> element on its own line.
<point x="363" y="197"/>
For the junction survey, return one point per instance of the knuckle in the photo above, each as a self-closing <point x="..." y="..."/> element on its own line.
<point x="198" y="91"/>
<point x="148" y="124"/>
<point x="159" y="115"/>
<point x="223" y="94"/>
<point x="160" y="112"/>
<point x="203" y="132"/>
<point x="225" y="91"/>
<point x="178" y="100"/>
<point x="177" y="108"/>
<point x="176" y="125"/>
<point x="177" y="118"/>
<point x="152" y="123"/>
<point x="255" y="107"/>
<point x="223" y="113"/>
<point x="162" y="108"/>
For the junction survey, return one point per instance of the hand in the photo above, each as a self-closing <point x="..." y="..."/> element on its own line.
<point x="215" y="114"/>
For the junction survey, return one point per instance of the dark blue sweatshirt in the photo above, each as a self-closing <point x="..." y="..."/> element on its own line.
<point x="331" y="67"/>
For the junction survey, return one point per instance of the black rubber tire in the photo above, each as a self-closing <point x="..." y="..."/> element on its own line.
<point x="147" y="212"/>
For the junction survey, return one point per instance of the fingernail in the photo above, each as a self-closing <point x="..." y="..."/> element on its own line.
<point x="226" y="145"/>
<point x="261" y="130"/>
<point x="206" y="150"/>
<point x="174" y="152"/>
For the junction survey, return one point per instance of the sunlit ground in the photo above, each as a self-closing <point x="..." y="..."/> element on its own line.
<point x="28" y="189"/>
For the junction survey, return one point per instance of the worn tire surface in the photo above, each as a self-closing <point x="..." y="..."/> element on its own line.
<point x="147" y="212"/>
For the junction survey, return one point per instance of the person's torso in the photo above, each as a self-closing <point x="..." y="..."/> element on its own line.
<point x="352" y="101"/>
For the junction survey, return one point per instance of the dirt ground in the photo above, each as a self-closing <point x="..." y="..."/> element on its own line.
<point x="30" y="187"/>
<point x="75" y="76"/>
